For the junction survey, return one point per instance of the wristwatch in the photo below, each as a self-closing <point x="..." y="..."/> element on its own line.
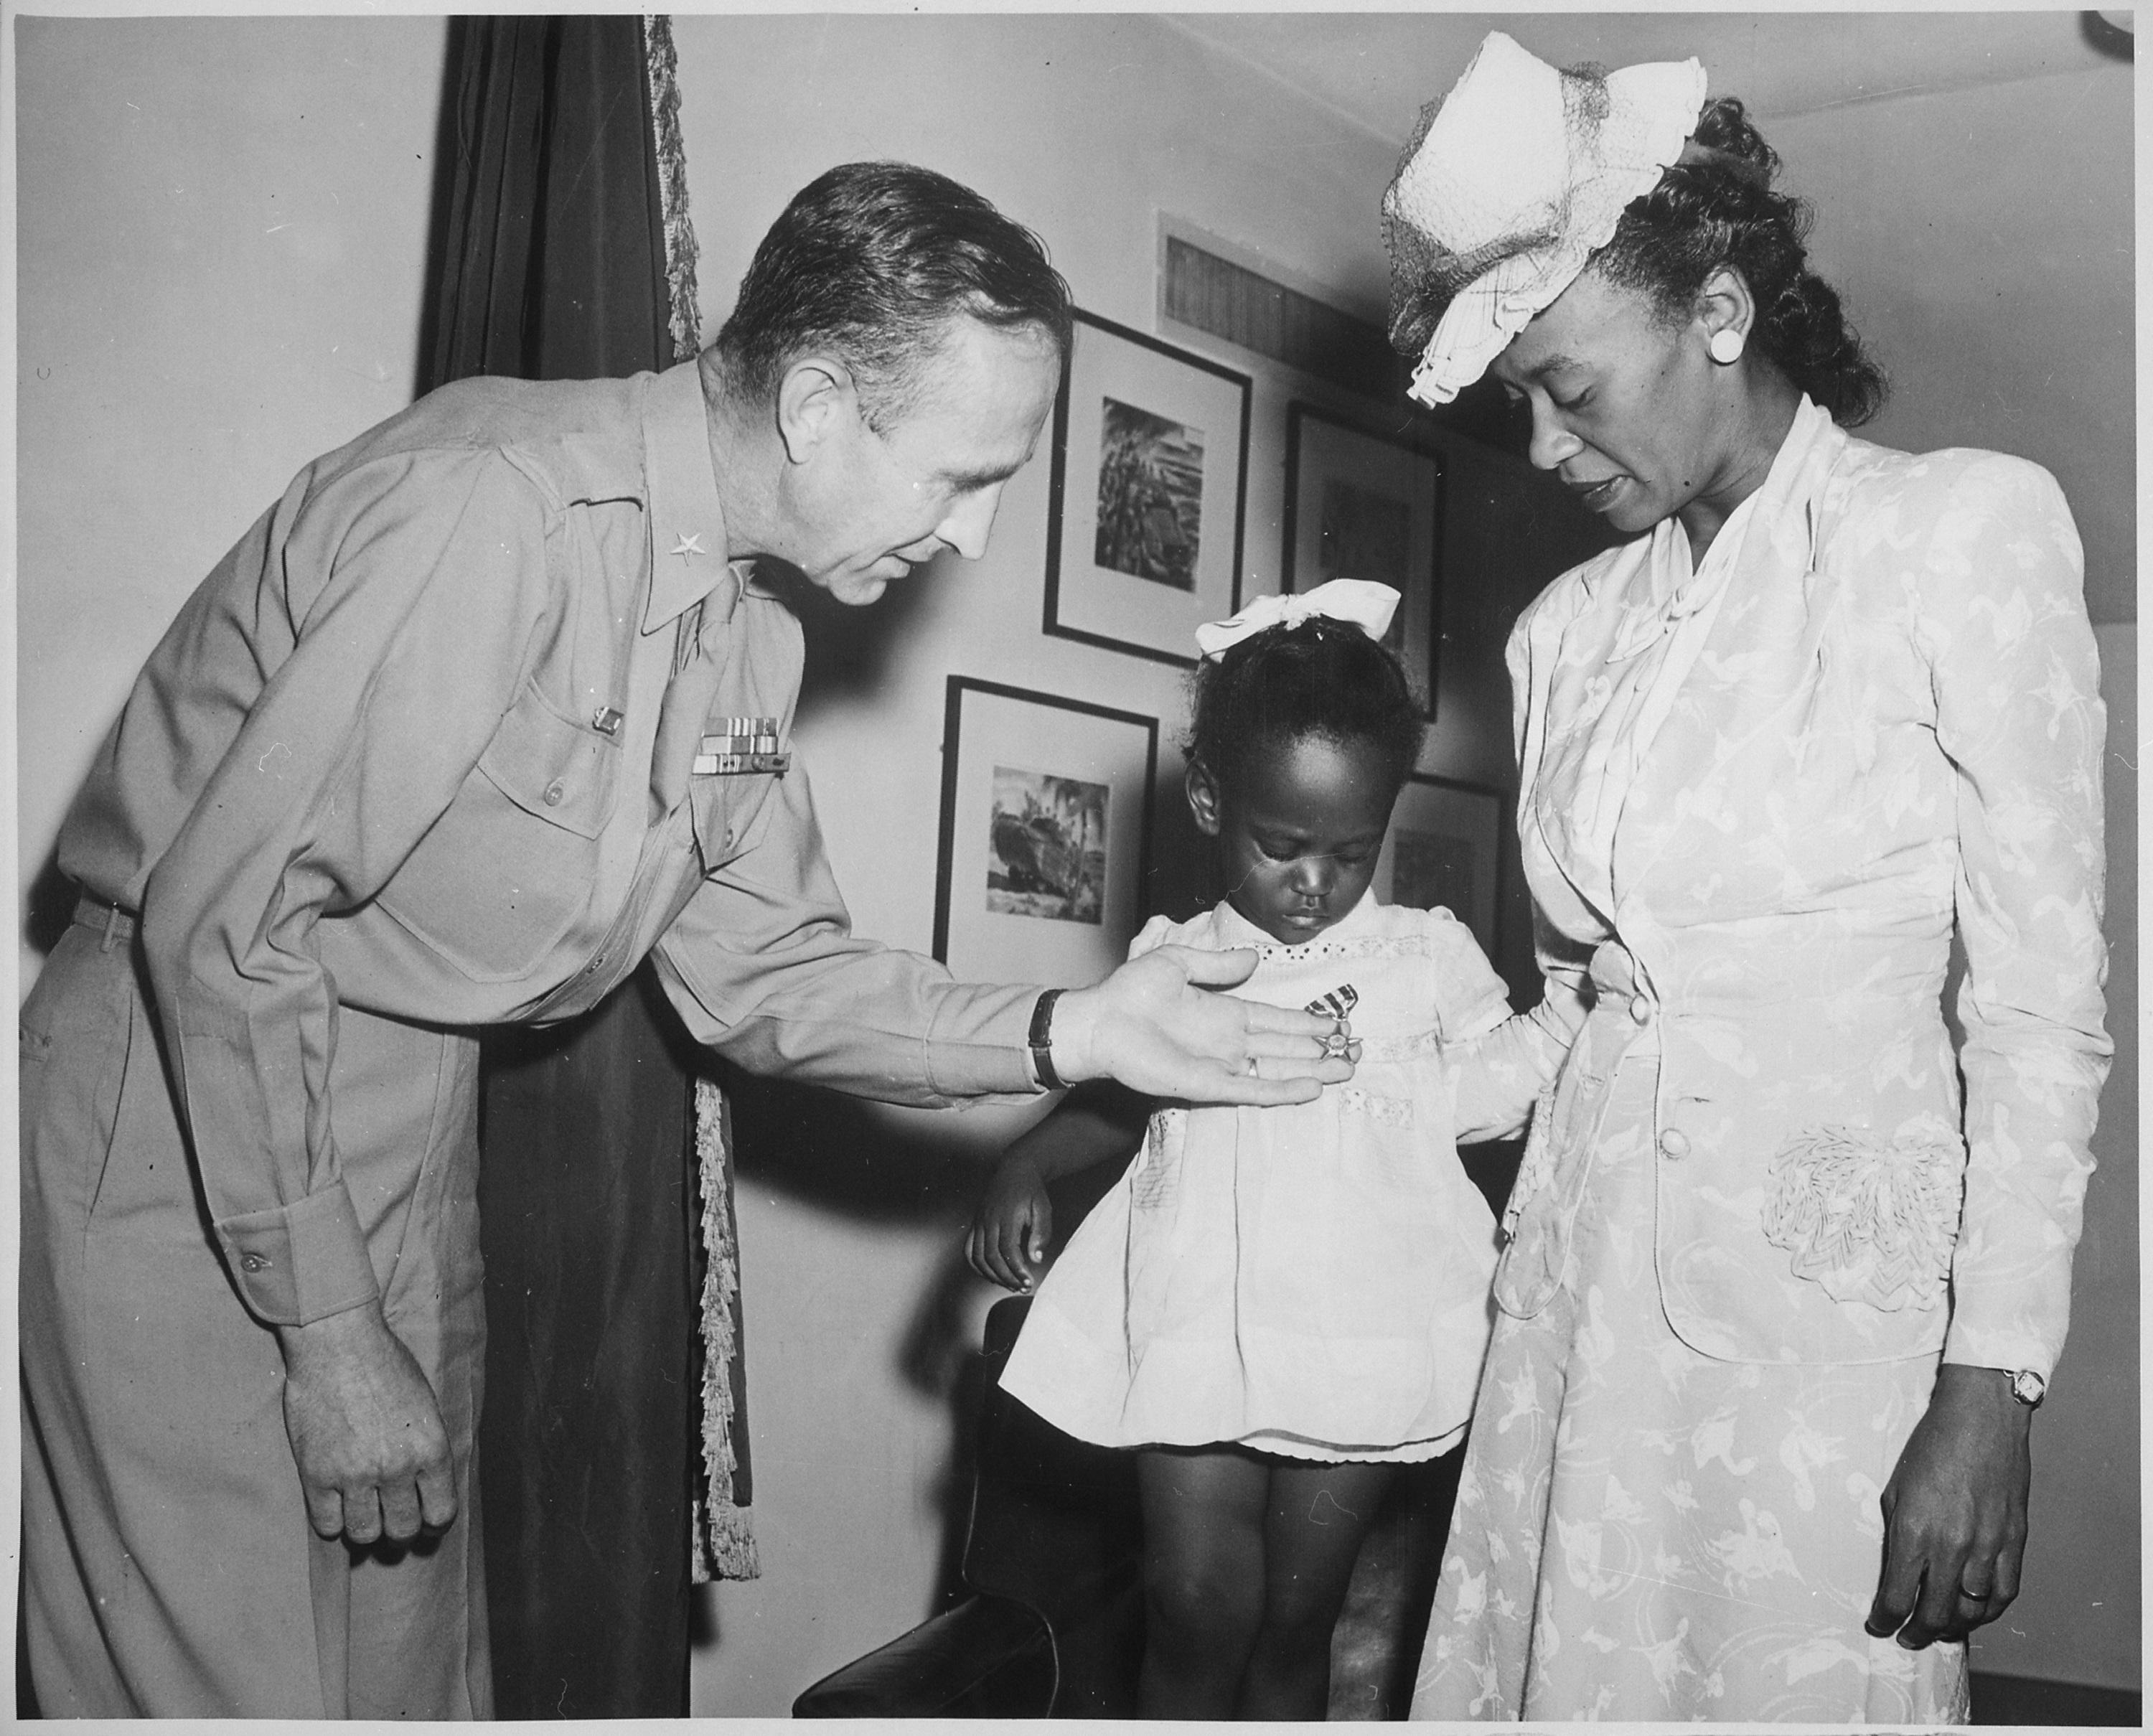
<point x="2028" y="1388"/>
<point x="1040" y="1040"/>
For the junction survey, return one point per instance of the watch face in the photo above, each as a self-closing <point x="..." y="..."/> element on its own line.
<point x="2028" y="1388"/>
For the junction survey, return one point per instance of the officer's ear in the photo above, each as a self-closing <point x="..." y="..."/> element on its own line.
<point x="1202" y="790"/>
<point x="818" y="403"/>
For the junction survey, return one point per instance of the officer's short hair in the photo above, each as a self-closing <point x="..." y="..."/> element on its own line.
<point x="869" y="263"/>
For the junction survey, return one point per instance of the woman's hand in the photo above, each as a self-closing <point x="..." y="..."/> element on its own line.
<point x="1954" y="1511"/>
<point x="1157" y="1026"/>
<point x="1012" y="1226"/>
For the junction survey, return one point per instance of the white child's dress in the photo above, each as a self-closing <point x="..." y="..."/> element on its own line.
<point x="1310" y="1280"/>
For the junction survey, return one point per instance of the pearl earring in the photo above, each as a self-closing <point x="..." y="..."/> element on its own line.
<point x="1726" y="346"/>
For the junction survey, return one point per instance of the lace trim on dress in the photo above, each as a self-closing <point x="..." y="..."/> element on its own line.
<point x="1871" y="1219"/>
<point x="1385" y="1111"/>
<point x="1358" y="946"/>
<point x="1421" y="1043"/>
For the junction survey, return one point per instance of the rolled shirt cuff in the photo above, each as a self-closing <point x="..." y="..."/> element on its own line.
<point x="300" y="1263"/>
<point x="981" y="1048"/>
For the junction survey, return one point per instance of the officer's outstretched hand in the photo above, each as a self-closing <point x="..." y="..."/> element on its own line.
<point x="366" y="1433"/>
<point x="1160" y="1027"/>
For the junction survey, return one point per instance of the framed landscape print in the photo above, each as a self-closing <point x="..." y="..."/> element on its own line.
<point x="1143" y="523"/>
<point x="1358" y="505"/>
<point x="1444" y="849"/>
<point x="1046" y="834"/>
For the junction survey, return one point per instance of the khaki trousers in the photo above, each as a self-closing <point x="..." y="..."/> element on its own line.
<point x="169" y="1569"/>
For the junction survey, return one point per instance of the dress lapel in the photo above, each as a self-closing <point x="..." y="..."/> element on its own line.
<point x="1758" y="668"/>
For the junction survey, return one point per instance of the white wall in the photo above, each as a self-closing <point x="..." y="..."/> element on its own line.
<point x="1982" y="240"/>
<point x="222" y="238"/>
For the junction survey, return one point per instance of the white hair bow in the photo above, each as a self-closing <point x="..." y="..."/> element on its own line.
<point x="1365" y="604"/>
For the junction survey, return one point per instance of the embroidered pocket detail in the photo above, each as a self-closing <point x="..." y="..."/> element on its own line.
<point x="1386" y="1111"/>
<point x="1872" y="1220"/>
<point x="1418" y="1046"/>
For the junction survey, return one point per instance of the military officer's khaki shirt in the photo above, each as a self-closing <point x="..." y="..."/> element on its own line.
<point x="399" y="751"/>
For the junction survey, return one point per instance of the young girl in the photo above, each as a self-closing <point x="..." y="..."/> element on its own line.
<point x="1276" y="1307"/>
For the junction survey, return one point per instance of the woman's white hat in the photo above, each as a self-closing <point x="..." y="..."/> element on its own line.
<point x="1506" y="188"/>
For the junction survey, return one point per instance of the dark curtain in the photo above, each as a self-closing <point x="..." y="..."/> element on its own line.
<point x="552" y="266"/>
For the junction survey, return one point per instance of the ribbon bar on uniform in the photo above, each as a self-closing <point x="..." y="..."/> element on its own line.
<point x="741" y="744"/>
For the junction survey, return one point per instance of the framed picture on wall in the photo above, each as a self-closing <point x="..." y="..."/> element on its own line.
<point x="1143" y="524"/>
<point x="1360" y="506"/>
<point x="1046" y="834"/>
<point x="1444" y="848"/>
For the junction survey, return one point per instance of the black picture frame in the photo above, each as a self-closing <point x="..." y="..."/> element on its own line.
<point x="1322" y="451"/>
<point x="1033" y="925"/>
<point x="1463" y="823"/>
<point x="1127" y="495"/>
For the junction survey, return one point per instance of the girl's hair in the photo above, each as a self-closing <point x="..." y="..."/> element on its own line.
<point x="1715" y="207"/>
<point x="1322" y="678"/>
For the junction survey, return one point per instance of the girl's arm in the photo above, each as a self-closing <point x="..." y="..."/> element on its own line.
<point x="1015" y="1222"/>
<point x="1501" y="1065"/>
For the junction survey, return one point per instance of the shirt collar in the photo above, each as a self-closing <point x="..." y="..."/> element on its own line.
<point x="687" y="526"/>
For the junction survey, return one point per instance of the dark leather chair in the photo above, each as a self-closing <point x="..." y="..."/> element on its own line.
<point x="1053" y="1626"/>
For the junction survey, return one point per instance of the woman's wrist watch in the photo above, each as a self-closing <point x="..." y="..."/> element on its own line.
<point x="2028" y="1388"/>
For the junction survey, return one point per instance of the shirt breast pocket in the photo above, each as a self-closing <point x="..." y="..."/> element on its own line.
<point x="726" y="806"/>
<point x="504" y="873"/>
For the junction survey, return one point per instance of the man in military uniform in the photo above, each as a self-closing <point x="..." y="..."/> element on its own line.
<point x="489" y="706"/>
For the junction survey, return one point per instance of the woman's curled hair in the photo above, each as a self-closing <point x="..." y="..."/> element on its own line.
<point x="1323" y="678"/>
<point x="1715" y="207"/>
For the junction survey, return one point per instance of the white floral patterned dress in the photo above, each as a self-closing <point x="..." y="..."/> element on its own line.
<point x="1310" y="1280"/>
<point x="1757" y="799"/>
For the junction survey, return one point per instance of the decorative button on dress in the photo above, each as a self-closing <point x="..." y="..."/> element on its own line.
<point x="1310" y="1280"/>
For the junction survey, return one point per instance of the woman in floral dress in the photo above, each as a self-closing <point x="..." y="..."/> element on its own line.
<point x="1779" y="1296"/>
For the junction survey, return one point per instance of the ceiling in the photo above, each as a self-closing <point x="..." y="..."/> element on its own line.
<point x="1375" y="69"/>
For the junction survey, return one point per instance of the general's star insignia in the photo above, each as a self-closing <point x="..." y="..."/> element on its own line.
<point x="690" y="545"/>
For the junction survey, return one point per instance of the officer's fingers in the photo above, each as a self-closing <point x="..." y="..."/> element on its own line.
<point x="362" y="1514"/>
<point x="399" y="1509"/>
<point x="324" y="1510"/>
<point x="437" y="1496"/>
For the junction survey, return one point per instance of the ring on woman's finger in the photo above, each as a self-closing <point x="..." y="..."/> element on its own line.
<point x="1252" y="1066"/>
